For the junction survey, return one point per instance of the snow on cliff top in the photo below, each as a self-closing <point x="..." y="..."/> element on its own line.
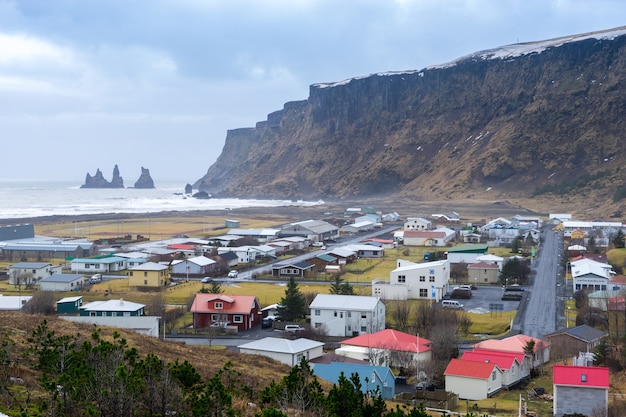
<point x="503" y="52"/>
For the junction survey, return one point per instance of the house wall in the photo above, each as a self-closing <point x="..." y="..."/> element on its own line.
<point x="61" y="286"/>
<point x="418" y="279"/>
<point x="291" y="359"/>
<point x="37" y="273"/>
<point x="590" y="282"/>
<point x="482" y="275"/>
<point x="584" y="400"/>
<point x="139" y="278"/>
<point x="474" y="388"/>
<point x="349" y="323"/>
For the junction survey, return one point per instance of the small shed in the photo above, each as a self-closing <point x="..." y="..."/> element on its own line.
<point x="232" y="224"/>
<point x="287" y="351"/>
<point x="69" y="305"/>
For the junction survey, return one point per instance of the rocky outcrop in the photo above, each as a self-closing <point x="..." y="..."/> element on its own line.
<point x="145" y="180"/>
<point x="98" y="180"/>
<point x="524" y="119"/>
<point x="188" y="189"/>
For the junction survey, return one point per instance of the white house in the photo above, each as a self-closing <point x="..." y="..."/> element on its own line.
<point x="514" y="368"/>
<point x="491" y="259"/>
<point x="198" y="265"/>
<point x="13" y="302"/>
<point x="244" y="253"/>
<point x="261" y="235"/>
<point x="62" y="282"/>
<point x="473" y="380"/>
<point x="588" y="274"/>
<point x="365" y="250"/>
<point x="287" y="351"/>
<point x="410" y="280"/>
<point x="98" y="265"/>
<point x="347" y="315"/>
<point x="417" y="223"/>
<point x="439" y="237"/>
<point x="33" y="272"/>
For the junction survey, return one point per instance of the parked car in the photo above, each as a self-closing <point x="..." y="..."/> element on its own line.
<point x="293" y="328"/>
<point x="233" y="274"/>
<point x="206" y="280"/>
<point x="95" y="278"/>
<point x="452" y="304"/>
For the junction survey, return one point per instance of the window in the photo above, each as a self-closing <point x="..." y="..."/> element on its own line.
<point x="131" y="273"/>
<point x="214" y="317"/>
<point x="363" y="329"/>
<point x="318" y="325"/>
<point x="219" y="305"/>
<point x="422" y="278"/>
<point x="493" y="376"/>
<point x="423" y="292"/>
<point x="145" y="273"/>
<point x="349" y="328"/>
<point x="401" y="278"/>
<point x="341" y="315"/>
<point x="318" y="312"/>
<point x="237" y="318"/>
<point x="364" y="314"/>
<point x="335" y="314"/>
<point x="349" y="314"/>
<point x="431" y="279"/>
<point x="145" y="282"/>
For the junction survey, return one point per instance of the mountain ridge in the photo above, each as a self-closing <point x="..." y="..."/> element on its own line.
<point x="488" y="125"/>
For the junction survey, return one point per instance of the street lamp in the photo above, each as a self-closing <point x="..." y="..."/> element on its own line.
<point x="567" y="317"/>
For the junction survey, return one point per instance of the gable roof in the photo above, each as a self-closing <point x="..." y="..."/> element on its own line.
<point x="344" y="302"/>
<point x="475" y="248"/>
<point x="148" y="266"/>
<point x="582" y="332"/>
<point x="504" y="360"/>
<point x="514" y="343"/>
<point x="482" y="265"/>
<point x="112" y="305"/>
<point x="390" y="339"/>
<point x="471" y="369"/>
<point x="281" y="345"/>
<point x="581" y="376"/>
<point x="424" y="234"/>
<point x="62" y="278"/>
<point x="239" y="304"/>
<point x="29" y="265"/>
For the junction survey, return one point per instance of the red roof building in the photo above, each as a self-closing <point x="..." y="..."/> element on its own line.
<point x="385" y="344"/>
<point x="512" y="364"/>
<point x="580" y="389"/>
<point x="516" y="344"/>
<point x="473" y="380"/>
<point x="220" y="310"/>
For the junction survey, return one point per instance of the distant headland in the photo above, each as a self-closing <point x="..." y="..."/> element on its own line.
<point x="98" y="180"/>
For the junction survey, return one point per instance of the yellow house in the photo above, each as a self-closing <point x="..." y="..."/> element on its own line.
<point x="149" y="274"/>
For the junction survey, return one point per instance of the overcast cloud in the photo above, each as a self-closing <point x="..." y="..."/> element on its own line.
<point x="157" y="83"/>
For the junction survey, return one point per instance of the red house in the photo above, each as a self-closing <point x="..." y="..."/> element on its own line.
<point x="220" y="310"/>
<point x="580" y="389"/>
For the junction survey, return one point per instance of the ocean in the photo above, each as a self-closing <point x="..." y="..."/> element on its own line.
<point x="30" y="199"/>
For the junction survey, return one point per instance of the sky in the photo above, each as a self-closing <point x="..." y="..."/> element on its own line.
<point x="87" y="84"/>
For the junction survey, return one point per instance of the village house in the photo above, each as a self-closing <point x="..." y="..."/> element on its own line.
<point x="245" y="254"/>
<point x="514" y="369"/>
<point x="31" y="272"/>
<point x="69" y="305"/>
<point x="149" y="274"/>
<point x="119" y="307"/>
<point x="570" y="342"/>
<point x="290" y="352"/>
<point x="439" y="237"/>
<point x="371" y="377"/>
<point x="347" y="315"/>
<point x="260" y="235"/>
<point x="297" y="269"/>
<point x="357" y="227"/>
<point x="473" y="380"/>
<point x="580" y="389"/>
<point x="13" y="302"/>
<point x="387" y="347"/>
<point x="517" y="344"/>
<point x="221" y="310"/>
<point x="100" y="265"/>
<point x="426" y="280"/>
<point x="198" y="266"/>
<point x="482" y="273"/>
<point x="365" y="250"/>
<point x="417" y="223"/>
<point x="62" y="282"/>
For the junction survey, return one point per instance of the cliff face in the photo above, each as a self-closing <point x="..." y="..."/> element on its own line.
<point x="496" y="122"/>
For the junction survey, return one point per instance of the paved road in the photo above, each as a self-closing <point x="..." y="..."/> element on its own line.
<point x="539" y="317"/>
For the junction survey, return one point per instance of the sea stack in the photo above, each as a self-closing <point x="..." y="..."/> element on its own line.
<point x="98" y="180"/>
<point x="145" y="180"/>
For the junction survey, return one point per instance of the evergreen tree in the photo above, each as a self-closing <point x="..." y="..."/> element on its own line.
<point x="340" y="287"/>
<point x="292" y="306"/>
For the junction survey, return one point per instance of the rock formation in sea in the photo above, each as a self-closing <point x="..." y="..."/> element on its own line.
<point x="145" y="180"/>
<point x="98" y="180"/>
<point x="188" y="189"/>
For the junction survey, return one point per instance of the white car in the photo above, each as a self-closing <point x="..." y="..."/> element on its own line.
<point x="233" y="274"/>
